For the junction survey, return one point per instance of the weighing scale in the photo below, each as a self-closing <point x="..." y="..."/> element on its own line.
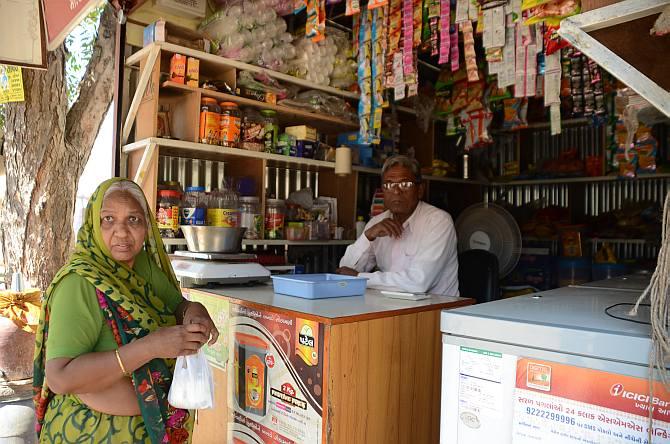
<point x="209" y="269"/>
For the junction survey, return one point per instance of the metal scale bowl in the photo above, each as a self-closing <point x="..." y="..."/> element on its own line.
<point x="214" y="258"/>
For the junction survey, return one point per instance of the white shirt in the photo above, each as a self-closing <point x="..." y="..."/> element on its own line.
<point x="422" y="260"/>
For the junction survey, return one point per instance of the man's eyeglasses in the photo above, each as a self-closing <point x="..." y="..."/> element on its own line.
<point x="398" y="186"/>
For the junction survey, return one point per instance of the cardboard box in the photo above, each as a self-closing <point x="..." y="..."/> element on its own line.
<point x="183" y="8"/>
<point x="302" y="132"/>
<point x="192" y="72"/>
<point x="178" y="68"/>
<point x="162" y="31"/>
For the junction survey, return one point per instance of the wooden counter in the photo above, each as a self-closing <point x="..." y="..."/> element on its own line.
<point x="377" y="379"/>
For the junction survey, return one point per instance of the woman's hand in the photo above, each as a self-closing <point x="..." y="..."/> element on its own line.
<point x="178" y="340"/>
<point x="196" y="313"/>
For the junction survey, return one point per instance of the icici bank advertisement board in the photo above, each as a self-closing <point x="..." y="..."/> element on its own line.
<point x="494" y="397"/>
<point x="556" y="403"/>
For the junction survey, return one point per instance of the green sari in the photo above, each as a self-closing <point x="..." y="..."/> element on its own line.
<point x="132" y="310"/>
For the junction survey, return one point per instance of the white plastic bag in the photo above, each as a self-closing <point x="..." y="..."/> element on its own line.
<point x="192" y="385"/>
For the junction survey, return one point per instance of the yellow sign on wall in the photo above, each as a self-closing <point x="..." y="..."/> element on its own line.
<point x="11" y="84"/>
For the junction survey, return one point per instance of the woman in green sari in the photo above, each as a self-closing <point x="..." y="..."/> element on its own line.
<point x="112" y="321"/>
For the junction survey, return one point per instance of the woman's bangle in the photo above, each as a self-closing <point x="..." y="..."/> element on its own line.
<point x="123" y="368"/>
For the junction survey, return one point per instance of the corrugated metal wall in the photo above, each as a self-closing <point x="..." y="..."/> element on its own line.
<point x="602" y="197"/>
<point x="194" y="172"/>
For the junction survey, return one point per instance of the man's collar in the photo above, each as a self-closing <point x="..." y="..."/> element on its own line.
<point x="409" y="222"/>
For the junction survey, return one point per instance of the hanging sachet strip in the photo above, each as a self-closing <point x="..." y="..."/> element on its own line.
<point x="407" y="35"/>
<point x="445" y="38"/>
<point x="455" y="54"/>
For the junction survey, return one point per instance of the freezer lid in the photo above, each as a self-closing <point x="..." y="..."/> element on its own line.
<point x="566" y="320"/>
<point x="636" y="282"/>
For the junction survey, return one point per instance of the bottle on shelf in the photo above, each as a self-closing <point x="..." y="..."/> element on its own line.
<point x="194" y="206"/>
<point x="250" y="217"/>
<point x="167" y="213"/>
<point x="360" y="226"/>
<point x="223" y="209"/>
<point x="271" y="130"/>
<point x="210" y="121"/>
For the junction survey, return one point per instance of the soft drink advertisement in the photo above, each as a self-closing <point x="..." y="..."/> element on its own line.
<point x="557" y="403"/>
<point x="276" y="376"/>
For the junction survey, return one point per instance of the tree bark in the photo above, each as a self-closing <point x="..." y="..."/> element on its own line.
<point x="46" y="148"/>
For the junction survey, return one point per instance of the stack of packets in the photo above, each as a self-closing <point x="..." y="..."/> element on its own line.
<point x="522" y="52"/>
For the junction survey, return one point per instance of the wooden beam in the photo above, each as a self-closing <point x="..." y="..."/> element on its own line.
<point x="142" y="170"/>
<point x="616" y="14"/>
<point x="575" y="30"/>
<point x="139" y="92"/>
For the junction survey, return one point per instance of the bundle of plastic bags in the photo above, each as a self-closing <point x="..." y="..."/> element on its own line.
<point x="251" y="32"/>
<point x="328" y="62"/>
<point x="192" y="384"/>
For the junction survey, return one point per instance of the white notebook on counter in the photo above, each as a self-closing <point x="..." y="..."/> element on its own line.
<point x="405" y="295"/>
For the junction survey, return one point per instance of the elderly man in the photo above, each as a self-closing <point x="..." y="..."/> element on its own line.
<point x="412" y="244"/>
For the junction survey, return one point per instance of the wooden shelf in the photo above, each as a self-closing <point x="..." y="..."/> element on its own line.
<point x="180" y="241"/>
<point x="211" y="61"/>
<point x="180" y="148"/>
<point x="566" y="180"/>
<point x="543" y="125"/>
<point x="378" y="171"/>
<point x="287" y="116"/>
<point x="291" y="243"/>
<point x="499" y="183"/>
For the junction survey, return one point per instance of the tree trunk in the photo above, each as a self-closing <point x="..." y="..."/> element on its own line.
<point x="46" y="148"/>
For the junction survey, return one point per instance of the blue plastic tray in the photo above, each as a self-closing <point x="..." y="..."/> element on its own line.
<point x="319" y="286"/>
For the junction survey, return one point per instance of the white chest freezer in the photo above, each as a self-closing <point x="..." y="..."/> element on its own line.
<point x="562" y="366"/>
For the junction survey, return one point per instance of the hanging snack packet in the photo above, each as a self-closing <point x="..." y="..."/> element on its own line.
<point x="553" y="12"/>
<point x="515" y="112"/>
<point x="372" y="4"/>
<point x="352" y="7"/>
<point x="646" y="148"/>
<point x="627" y="160"/>
<point x="552" y="41"/>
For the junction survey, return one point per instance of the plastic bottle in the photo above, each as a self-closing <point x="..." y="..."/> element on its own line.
<point x="223" y="209"/>
<point x="274" y="219"/>
<point x="360" y="226"/>
<point x="250" y="217"/>
<point x="194" y="206"/>
<point x="167" y="214"/>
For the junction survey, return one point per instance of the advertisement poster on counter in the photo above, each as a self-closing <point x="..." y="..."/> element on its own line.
<point x="276" y="372"/>
<point x="557" y="403"/>
<point x="219" y="310"/>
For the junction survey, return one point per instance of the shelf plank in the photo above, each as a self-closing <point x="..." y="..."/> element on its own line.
<point x="181" y="241"/>
<point x="565" y="180"/>
<point x="218" y="61"/>
<point x="456" y="180"/>
<point x="297" y="243"/>
<point x="180" y="148"/>
<point x="288" y="116"/>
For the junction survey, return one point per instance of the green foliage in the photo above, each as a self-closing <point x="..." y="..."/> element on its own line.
<point x="79" y="45"/>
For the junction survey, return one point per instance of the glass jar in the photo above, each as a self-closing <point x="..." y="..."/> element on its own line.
<point x="210" y="121"/>
<point x="171" y="185"/>
<point x="231" y="123"/>
<point x="223" y="209"/>
<point x="194" y="206"/>
<point x="270" y="130"/>
<point x="250" y="217"/>
<point x="253" y="130"/>
<point x="274" y="219"/>
<point x="167" y="213"/>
